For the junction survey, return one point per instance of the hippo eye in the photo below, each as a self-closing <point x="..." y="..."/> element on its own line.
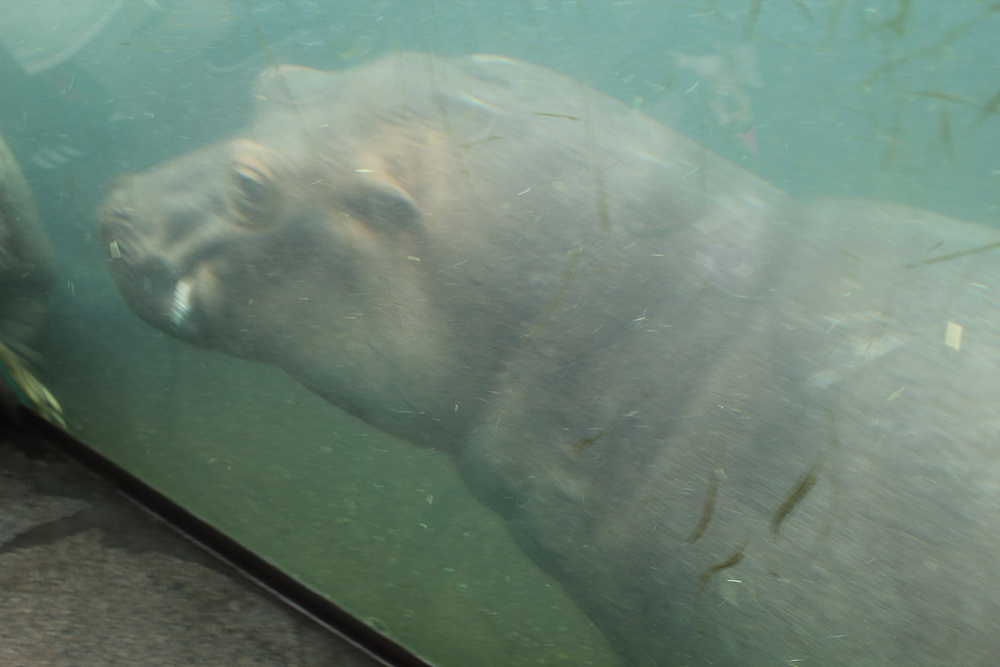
<point x="256" y="198"/>
<point x="251" y="183"/>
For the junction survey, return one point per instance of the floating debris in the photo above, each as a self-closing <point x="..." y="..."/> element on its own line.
<point x="953" y="336"/>
<point x="707" y="508"/>
<point x="799" y="493"/>
<point x="953" y="255"/>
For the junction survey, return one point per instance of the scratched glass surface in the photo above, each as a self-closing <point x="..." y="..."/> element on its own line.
<point x="895" y="100"/>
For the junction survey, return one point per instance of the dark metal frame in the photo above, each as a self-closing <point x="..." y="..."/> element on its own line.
<point x="278" y="583"/>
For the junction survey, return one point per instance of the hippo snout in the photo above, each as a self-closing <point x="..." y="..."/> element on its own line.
<point x="152" y="287"/>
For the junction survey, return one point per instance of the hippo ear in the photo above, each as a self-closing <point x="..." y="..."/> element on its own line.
<point x="382" y="204"/>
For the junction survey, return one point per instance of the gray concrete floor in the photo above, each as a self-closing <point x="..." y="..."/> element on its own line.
<point x="88" y="579"/>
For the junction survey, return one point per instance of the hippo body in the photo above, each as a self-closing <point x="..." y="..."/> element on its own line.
<point x="739" y="429"/>
<point x="27" y="274"/>
<point x="27" y="260"/>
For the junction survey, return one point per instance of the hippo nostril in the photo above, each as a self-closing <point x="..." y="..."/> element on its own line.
<point x="115" y="223"/>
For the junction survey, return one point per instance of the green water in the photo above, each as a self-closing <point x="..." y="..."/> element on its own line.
<point x="888" y="98"/>
<point x="382" y="527"/>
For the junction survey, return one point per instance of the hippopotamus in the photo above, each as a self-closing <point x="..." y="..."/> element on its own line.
<point x="27" y="274"/>
<point x="27" y="260"/>
<point x="738" y="428"/>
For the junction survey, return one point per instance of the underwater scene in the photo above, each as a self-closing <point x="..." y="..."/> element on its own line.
<point x="558" y="332"/>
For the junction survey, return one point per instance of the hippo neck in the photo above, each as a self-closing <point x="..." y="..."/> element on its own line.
<point x="586" y="387"/>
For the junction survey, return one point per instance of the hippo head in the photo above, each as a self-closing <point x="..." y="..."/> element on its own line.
<point x="228" y="248"/>
<point x="314" y="246"/>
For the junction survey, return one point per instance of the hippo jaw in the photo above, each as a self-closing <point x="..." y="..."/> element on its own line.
<point x="171" y="286"/>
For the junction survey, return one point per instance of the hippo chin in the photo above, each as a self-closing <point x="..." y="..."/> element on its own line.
<point x="739" y="429"/>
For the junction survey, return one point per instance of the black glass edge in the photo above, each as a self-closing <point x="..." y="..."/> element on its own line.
<point x="278" y="583"/>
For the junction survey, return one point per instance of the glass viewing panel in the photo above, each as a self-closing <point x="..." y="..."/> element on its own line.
<point x="615" y="400"/>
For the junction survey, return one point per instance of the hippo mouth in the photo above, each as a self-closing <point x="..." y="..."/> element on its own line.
<point x="182" y="305"/>
<point x="155" y="289"/>
<point x="175" y="306"/>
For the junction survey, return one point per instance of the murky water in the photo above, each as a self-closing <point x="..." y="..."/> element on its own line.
<point x="888" y="98"/>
